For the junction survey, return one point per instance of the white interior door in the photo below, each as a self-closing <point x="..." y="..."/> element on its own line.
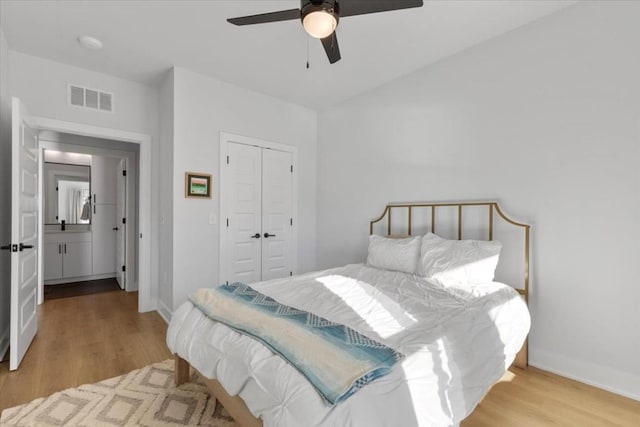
<point x="121" y="226"/>
<point x="277" y="206"/>
<point x="243" y="205"/>
<point x="24" y="233"/>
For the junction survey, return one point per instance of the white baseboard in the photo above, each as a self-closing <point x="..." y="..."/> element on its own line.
<point x="4" y="342"/>
<point x="618" y="382"/>
<point x="164" y="312"/>
<point x="131" y="287"/>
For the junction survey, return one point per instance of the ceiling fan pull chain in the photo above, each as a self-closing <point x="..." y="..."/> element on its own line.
<point x="307" y="51"/>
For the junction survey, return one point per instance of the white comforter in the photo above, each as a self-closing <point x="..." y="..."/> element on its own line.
<point x="457" y="343"/>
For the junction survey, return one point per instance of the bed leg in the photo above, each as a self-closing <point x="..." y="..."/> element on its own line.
<point x="522" y="358"/>
<point x="182" y="370"/>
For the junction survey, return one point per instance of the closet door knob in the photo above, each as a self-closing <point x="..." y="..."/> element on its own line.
<point x="267" y="235"/>
<point x="115" y="228"/>
<point x="256" y="236"/>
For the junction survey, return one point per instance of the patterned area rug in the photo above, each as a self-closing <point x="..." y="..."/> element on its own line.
<point x="144" y="397"/>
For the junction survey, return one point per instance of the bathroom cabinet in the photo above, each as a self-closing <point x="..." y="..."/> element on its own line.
<point x="67" y="254"/>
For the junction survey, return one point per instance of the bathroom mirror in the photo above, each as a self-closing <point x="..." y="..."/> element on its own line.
<point x="67" y="193"/>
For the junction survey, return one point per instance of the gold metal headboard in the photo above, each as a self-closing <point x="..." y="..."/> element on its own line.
<point x="433" y="208"/>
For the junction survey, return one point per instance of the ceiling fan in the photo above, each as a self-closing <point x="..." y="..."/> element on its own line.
<point x="320" y="17"/>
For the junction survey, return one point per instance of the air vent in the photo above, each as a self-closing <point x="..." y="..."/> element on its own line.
<point x="90" y="98"/>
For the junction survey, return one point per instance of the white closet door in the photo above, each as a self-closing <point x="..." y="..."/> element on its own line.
<point x="243" y="200"/>
<point x="277" y="205"/>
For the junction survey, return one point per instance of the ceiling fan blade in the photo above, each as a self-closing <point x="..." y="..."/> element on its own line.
<point x="263" y="18"/>
<point x="330" y="44"/>
<point x="361" y="7"/>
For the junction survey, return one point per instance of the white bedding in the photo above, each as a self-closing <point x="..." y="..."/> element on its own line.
<point x="457" y="343"/>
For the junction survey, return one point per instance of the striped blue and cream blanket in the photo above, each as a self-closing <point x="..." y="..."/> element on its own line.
<point x="337" y="360"/>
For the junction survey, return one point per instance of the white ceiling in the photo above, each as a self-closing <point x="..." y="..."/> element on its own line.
<point x="143" y="39"/>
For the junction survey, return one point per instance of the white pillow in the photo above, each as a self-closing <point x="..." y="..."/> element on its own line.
<point x="394" y="254"/>
<point x="464" y="262"/>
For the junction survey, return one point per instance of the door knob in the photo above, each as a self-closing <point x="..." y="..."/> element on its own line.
<point x="23" y="247"/>
<point x="267" y="235"/>
<point x="115" y="229"/>
<point x="256" y="236"/>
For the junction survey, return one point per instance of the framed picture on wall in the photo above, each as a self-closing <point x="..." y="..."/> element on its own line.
<point x="197" y="185"/>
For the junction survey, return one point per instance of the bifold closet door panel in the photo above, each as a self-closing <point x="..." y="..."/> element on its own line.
<point x="243" y="197"/>
<point x="277" y="207"/>
<point x="103" y="223"/>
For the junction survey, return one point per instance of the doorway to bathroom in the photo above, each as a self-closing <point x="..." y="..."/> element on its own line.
<point x="89" y="211"/>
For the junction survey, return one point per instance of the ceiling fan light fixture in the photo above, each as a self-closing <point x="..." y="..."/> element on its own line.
<point x="319" y="24"/>
<point x="320" y="18"/>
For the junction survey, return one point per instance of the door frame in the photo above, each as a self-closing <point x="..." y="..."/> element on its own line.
<point x="123" y="172"/>
<point x="146" y="299"/>
<point x="225" y="139"/>
<point x="131" y="211"/>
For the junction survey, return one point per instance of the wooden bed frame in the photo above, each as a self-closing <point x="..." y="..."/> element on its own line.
<point x="234" y="405"/>
<point x="237" y="408"/>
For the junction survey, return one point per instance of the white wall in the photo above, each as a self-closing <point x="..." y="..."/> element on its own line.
<point x="165" y="296"/>
<point x="53" y="156"/>
<point x="545" y="119"/>
<point x="41" y="84"/>
<point x="5" y="193"/>
<point x="203" y="107"/>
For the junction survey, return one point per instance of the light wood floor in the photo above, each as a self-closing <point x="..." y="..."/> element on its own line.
<point x="83" y="340"/>
<point x="89" y="338"/>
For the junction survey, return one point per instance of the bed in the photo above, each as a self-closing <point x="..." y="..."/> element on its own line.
<point x="457" y="337"/>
